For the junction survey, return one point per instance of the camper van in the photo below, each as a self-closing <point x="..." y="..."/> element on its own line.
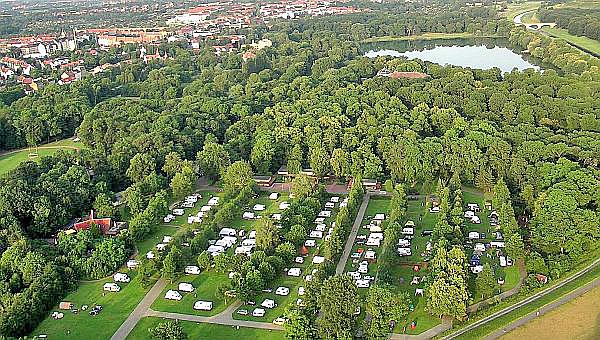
<point x="203" y="305"/>
<point x="111" y="287"/>
<point x="194" y="270"/>
<point x="173" y="295"/>
<point x="121" y="277"/>
<point x="186" y="287"/>
<point x="268" y="303"/>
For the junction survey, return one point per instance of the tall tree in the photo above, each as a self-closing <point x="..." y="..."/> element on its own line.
<point x="338" y="301"/>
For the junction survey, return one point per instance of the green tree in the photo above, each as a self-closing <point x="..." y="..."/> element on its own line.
<point x="485" y="282"/>
<point x="140" y="166"/>
<point x="204" y="260"/>
<point x="237" y="176"/>
<point x="267" y="235"/>
<point x="384" y="306"/>
<point x="302" y="186"/>
<point x="184" y="182"/>
<point x="103" y="205"/>
<point x="338" y="301"/>
<point x="213" y="160"/>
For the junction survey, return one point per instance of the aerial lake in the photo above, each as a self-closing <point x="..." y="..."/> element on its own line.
<point x="478" y="54"/>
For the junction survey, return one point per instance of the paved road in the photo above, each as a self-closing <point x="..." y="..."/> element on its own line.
<point x="223" y="318"/>
<point x="139" y="311"/>
<point x="350" y="241"/>
<point x="428" y="334"/>
<point x="545" y="309"/>
<point x="525" y="301"/>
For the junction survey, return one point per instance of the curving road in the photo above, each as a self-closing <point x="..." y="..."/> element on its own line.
<point x="527" y="301"/>
<point x="140" y="310"/>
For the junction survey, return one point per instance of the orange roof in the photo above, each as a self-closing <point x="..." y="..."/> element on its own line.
<point x="409" y="75"/>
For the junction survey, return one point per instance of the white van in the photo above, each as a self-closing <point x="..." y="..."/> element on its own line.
<point x="502" y="261"/>
<point x="111" y="287"/>
<point x="363" y="283"/>
<point x="132" y="264"/>
<point x="195" y="270"/>
<point x="258" y="312"/>
<point x="121" y="277"/>
<point x="203" y="305"/>
<point x="186" y="287"/>
<point x="178" y="212"/>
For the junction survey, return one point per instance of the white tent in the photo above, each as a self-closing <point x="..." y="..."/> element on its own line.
<point x="274" y="196"/>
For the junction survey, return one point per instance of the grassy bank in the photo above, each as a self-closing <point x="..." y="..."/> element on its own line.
<point x="428" y="36"/>
<point x="589" y="45"/>
<point x="504" y="320"/>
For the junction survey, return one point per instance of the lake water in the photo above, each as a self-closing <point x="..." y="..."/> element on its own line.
<point x="458" y="52"/>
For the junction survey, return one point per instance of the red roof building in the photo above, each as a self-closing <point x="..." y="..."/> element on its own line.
<point x="408" y="75"/>
<point x="104" y="224"/>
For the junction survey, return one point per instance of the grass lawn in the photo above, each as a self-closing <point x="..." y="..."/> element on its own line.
<point x="11" y="160"/>
<point x="206" y="285"/>
<point x="154" y="238"/>
<point x="403" y="270"/>
<point x="584" y="43"/>
<point x="576" y="319"/>
<point x="510" y="273"/>
<point x="116" y="308"/>
<point x="377" y="205"/>
<point x="206" y="331"/>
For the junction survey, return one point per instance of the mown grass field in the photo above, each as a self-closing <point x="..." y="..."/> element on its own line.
<point x="12" y="159"/>
<point x="403" y="272"/>
<point x="584" y="43"/>
<point x="206" y="331"/>
<point x="116" y="308"/>
<point x="206" y="285"/>
<point x="426" y="36"/>
<point x="515" y="9"/>
<point x="576" y="319"/>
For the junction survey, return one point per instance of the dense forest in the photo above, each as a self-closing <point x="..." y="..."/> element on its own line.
<point x="532" y="138"/>
<point x="578" y="21"/>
